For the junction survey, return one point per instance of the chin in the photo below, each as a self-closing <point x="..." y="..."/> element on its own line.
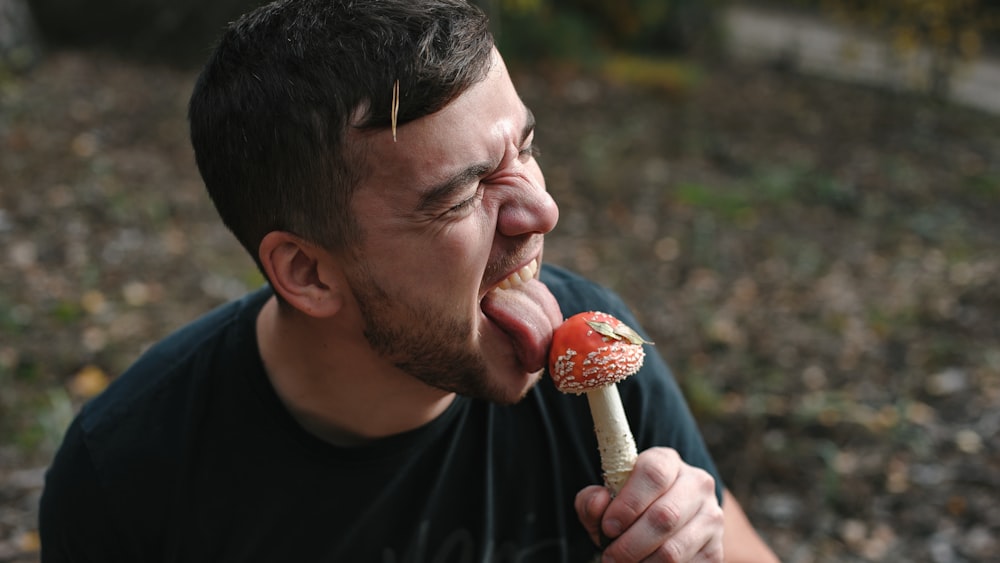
<point x="512" y="390"/>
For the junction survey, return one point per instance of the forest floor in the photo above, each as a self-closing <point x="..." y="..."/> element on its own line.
<point x="818" y="262"/>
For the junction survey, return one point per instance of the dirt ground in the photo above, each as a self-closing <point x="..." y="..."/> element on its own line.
<point x="816" y="261"/>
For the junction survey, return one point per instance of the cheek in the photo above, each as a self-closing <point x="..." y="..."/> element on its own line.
<point x="451" y="265"/>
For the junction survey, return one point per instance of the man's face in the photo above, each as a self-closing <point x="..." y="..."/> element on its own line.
<point x="453" y="215"/>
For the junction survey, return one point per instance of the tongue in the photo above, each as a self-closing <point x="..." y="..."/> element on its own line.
<point x="528" y="314"/>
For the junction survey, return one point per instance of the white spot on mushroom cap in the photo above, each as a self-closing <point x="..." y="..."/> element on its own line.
<point x="607" y="365"/>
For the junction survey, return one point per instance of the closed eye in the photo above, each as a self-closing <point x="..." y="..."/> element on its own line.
<point x="437" y="197"/>
<point x="530" y="151"/>
<point x="467" y="202"/>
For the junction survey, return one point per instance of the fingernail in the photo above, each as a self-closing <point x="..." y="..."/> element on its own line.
<point x="613" y="528"/>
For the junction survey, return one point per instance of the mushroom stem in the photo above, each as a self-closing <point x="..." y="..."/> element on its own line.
<point x="614" y="438"/>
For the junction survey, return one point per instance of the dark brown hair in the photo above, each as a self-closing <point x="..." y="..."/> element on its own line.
<point x="271" y="109"/>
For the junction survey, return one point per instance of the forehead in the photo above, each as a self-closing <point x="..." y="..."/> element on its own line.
<point x="477" y="126"/>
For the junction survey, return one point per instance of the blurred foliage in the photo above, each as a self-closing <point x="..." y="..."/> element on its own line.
<point x="669" y="76"/>
<point x="576" y="30"/>
<point x="952" y="27"/>
<point x="949" y="32"/>
<point x="173" y="31"/>
<point x="181" y="31"/>
<point x="586" y="30"/>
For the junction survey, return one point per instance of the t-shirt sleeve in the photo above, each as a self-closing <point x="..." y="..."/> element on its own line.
<point x="75" y="523"/>
<point x="654" y="404"/>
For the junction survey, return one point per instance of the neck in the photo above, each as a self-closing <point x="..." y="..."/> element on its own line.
<point x="334" y="385"/>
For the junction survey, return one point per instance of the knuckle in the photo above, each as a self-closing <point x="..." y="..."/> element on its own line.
<point x="670" y="552"/>
<point x="659" y="472"/>
<point x="716" y="514"/>
<point x="664" y="455"/>
<point x="714" y="553"/>
<point x="663" y="516"/>
<point x="714" y="549"/>
<point x="629" y="507"/>
<point x="623" y="551"/>
<point x="705" y="479"/>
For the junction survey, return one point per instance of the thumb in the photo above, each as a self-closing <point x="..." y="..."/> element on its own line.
<point x="590" y="504"/>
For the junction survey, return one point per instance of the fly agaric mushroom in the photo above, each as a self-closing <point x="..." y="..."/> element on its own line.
<point x="591" y="352"/>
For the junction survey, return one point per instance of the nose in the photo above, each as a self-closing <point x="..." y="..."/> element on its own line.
<point x="528" y="211"/>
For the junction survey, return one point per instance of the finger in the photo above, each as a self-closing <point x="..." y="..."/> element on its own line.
<point x="590" y="504"/>
<point x="712" y="551"/>
<point x="660" y="531"/>
<point x="654" y="474"/>
<point x="705" y="530"/>
<point x="699" y="539"/>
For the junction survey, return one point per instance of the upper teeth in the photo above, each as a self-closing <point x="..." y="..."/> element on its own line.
<point x="521" y="276"/>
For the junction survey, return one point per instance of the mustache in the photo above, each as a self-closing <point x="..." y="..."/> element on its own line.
<point x="499" y="268"/>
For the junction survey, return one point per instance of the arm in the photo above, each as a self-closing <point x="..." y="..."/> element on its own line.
<point x="741" y="541"/>
<point x="74" y="519"/>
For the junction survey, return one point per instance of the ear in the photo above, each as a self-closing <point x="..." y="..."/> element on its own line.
<point x="304" y="274"/>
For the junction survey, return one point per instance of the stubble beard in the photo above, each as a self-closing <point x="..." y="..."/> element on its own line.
<point x="424" y="343"/>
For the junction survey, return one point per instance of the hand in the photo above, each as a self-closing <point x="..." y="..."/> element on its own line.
<point x="666" y="511"/>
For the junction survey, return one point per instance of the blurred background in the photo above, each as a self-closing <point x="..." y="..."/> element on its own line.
<point x="800" y="199"/>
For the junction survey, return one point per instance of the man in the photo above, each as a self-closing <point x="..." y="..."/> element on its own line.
<point x="382" y="399"/>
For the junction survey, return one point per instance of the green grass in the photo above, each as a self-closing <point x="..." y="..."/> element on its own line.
<point x="986" y="186"/>
<point x="772" y="185"/>
<point x="729" y="203"/>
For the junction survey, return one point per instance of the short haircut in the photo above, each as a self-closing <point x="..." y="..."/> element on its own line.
<point x="271" y="111"/>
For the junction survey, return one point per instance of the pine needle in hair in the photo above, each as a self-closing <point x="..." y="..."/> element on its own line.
<point x="395" y="107"/>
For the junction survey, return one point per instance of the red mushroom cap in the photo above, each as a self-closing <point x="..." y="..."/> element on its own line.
<point x="592" y="350"/>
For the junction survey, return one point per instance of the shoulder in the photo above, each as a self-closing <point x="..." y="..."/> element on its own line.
<point x="119" y="456"/>
<point x="146" y="401"/>
<point x="577" y="294"/>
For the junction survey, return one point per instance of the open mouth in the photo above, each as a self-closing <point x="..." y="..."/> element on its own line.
<point x="517" y="307"/>
<point x="522" y="276"/>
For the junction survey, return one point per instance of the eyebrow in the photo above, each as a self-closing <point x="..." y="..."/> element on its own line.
<point x="443" y="191"/>
<point x="529" y="124"/>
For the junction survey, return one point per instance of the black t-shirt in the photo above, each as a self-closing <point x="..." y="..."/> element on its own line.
<point x="190" y="456"/>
